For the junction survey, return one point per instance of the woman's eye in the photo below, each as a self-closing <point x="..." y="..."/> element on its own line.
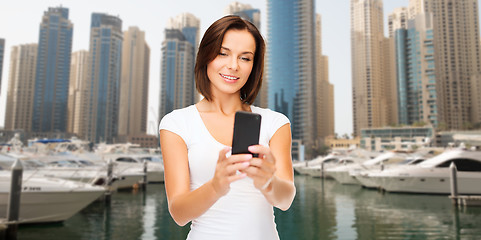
<point x="222" y="54"/>
<point x="246" y="59"/>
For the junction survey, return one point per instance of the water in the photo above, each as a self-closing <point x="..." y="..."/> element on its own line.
<point x="320" y="211"/>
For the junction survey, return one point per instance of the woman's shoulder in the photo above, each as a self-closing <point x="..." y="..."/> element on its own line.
<point x="178" y="118"/>
<point x="180" y="113"/>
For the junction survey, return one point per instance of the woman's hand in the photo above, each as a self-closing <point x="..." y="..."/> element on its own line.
<point x="262" y="169"/>
<point x="226" y="170"/>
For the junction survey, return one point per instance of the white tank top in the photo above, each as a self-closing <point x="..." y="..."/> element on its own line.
<point x="243" y="213"/>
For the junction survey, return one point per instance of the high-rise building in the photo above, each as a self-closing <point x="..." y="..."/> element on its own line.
<point x="457" y="56"/>
<point x="177" y="89"/>
<point x="134" y="86"/>
<point x="476" y="100"/>
<point x="77" y="93"/>
<point x="21" y="85"/>
<point x="369" y="72"/>
<point x="101" y="110"/>
<point x="324" y="91"/>
<point x="252" y="15"/>
<point x="245" y="11"/>
<point x="2" y="50"/>
<point x="52" y="72"/>
<point x="416" y="78"/>
<point x="291" y="63"/>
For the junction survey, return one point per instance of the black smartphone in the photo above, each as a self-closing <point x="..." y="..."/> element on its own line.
<point x="247" y="127"/>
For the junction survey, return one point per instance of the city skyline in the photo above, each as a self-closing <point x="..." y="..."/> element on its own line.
<point x="335" y="16"/>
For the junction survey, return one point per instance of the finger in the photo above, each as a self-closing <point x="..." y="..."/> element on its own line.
<point x="222" y="154"/>
<point x="233" y="168"/>
<point x="262" y="151"/>
<point x="264" y="165"/>
<point x="236" y="177"/>
<point x="239" y="158"/>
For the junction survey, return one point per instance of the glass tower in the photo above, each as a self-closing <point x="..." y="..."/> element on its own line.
<point x="52" y="72"/>
<point x="178" y="60"/>
<point x="291" y="62"/>
<point x="416" y="72"/>
<point x="103" y="79"/>
<point x="177" y="79"/>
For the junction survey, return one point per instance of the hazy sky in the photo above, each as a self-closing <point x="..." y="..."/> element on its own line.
<point x="20" y="19"/>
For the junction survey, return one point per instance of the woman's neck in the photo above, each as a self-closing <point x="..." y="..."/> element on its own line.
<point x="226" y="105"/>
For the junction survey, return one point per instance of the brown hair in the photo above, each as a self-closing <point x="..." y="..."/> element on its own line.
<point x="210" y="46"/>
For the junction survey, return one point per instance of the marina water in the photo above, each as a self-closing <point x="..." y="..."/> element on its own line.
<point x="321" y="210"/>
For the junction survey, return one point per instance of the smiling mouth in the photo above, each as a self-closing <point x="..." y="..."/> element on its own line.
<point x="229" y="78"/>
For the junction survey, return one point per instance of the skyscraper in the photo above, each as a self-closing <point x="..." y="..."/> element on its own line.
<point x="177" y="89"/>
<point x="134" y="84"/>
<point x="245" y="11"/>
<point x="457" y="56"/>
<point x="369" y="72"/>
<point x="416" y="78"/>
<point x="52" y="72"/>
<point x="77" y="93"/>
<point x="252" y="15"/>
<point x="291" y="62"/>
<point x="2" y="50"/>
<point x="21" y="84"/>
<point x="101" y="110"/>
<point x="324" y="91"/>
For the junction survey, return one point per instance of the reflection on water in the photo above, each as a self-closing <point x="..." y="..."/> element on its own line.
<point x="321" y="210"/>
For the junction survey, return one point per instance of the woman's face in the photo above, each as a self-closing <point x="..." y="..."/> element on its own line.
<point x="229" y="71"/>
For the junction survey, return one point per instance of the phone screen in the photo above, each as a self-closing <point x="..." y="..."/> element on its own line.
<point x="247" y="128"/>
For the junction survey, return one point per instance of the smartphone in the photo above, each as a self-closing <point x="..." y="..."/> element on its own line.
<point x="247" y="127"/>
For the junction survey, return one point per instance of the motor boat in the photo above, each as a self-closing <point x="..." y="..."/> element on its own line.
<point x="45" y="200"/>
<point x="346" y="174"/>
<point x="364" y="176"/>
<point x="432" y="176"/>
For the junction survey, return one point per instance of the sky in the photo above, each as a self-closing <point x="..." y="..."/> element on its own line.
<point x="20" y="20"/>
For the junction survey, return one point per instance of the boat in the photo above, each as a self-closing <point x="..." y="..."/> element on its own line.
<point x="45" y="200"/>
<point x="364" y="176"/>
<point x="433" y="175"/>
<point x="346" y="174"/>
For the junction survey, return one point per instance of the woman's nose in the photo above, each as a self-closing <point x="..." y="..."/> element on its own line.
<point x="232" y="64"/>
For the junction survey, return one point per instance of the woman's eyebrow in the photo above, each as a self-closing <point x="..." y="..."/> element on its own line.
<point x="228" y="49"/>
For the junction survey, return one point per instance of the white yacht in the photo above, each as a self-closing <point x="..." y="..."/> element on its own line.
<point x="346" y="174"/>
<point x="364" y="176"/>
<point x="313" y="167"/>
<point x="47" y="199"/>
<point x="433" y="175"/>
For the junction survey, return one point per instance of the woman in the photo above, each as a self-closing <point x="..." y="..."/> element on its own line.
<point x="227" y="196"/>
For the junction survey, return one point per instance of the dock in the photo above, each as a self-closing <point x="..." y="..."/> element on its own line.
<point x="461" y="200"/>
<point x="466" y="200"/>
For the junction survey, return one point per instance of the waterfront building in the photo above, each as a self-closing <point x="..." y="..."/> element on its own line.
<point x="458" y="138"/>
<point x="103" y="79"/>
<point x="291" y="63"/>
<point x="396" y="138"/>
<point x="415" y="68"/>
<point x="324" y="90"/>
<point x="476" y="100"/>
<point x="21" y="86"/>
<point x="52" y="71"/>
<point x="2" y="51"/>
<point x="134" y="85"/>
<point x="456" y="40"/>
<point x="77" y="93"/>
<point x="342" y="143"/>
<point x="370" y="66"/>
<point x="252" y="15"/>
<point x="177" y="88"/>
